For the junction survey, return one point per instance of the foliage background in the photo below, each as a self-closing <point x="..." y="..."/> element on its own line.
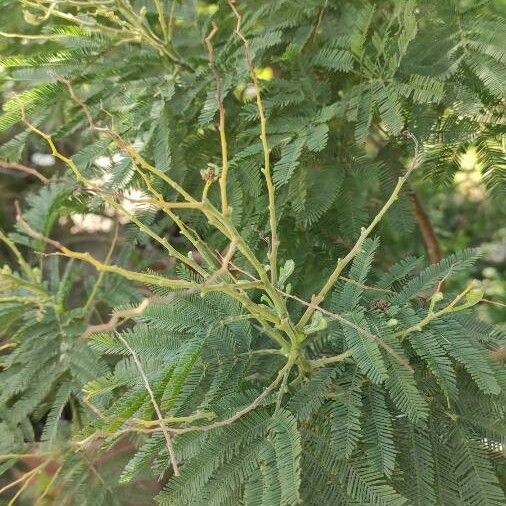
<point x="334" y="163"/>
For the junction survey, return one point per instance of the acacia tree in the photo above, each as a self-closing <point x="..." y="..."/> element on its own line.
<point x="244" y="338"/>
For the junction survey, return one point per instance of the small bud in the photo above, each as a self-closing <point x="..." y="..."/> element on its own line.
<point x="209" y="174"/>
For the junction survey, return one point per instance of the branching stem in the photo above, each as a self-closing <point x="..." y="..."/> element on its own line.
<point x="221" y="127"/>
<point x="158" y="411"/>
<point x="355" y="250"/>
<point x="273" y="254"/>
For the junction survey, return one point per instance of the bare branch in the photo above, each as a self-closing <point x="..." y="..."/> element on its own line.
<point x="24" y="169"/>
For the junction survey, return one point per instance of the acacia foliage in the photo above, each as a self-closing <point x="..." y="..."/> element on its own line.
<point x="229" y="381"/>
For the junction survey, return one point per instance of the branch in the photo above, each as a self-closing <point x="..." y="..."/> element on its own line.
<point x="29" y="36"/>
<point x="221" y="423"/>
<point x="19" y="257"/>
<point x="163" y="427"/>
<point x="101" y="275"/>
<point x="221" y="222"/>
<point x="223" y="137"/>
<point x="24" y="169"/>
<point x="116" y="319"/>
<point x="325" y="361"/>
<point x="334" y="316"/>
<point x="364" y="234"/>
<point x="427" y="230"/>
<point x="316" y="27"/>
<point x="129" y="25"/>
<point x="273" y="255"/>
<point x="124" y="146"/>
<point x="432" y="315"/>
<point x="341" y="319"/>
<point x="365" y="287"/>
<point x="80" y="178"/>
<point x="100" y="266"/>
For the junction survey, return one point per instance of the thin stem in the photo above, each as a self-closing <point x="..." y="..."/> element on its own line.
<point x="122" y="144"/>
<point x="144" y="278"/>
<point x="161" y="19"/>
<point x="9" y="456"/>
<point x="365" y="287"/>
<point x="364" y="234"/>
<point x="71" y="164"/>
<point x="24" y="169"/>
<point x="334" y="316"/>
<point x="493" y="302"/>
<point x="291" y="360"/>
<point x="21" y="489"/>
<point x="199" y="415"/>
<point x="172" y="17"/>
<point x="227" y="228"/>
<point x="6" y="346"/>
<point x="29" y="36"/>
<point x="221" y="127"/>
<point x="273" y="255"/>
<point x="325" y="361"/>
<point x="47" y="488"/>
<point x="434" y="315"/>
<point x="239" y="414"/>
<point x="168" y="207"/>
<point x="161" y="422"/>
<point x="101" y="275"/>
<point x="19" y="257"/>
<point x="26" y="476"/>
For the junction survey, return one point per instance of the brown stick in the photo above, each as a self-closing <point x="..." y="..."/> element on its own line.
<point x="429" y="236"/>
<point x="24" y="169"/>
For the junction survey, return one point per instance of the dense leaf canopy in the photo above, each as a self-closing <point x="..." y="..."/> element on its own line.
<point x="250" y="252"/>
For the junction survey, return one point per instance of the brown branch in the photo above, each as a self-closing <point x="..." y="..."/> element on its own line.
<point x="117" y="318"/>
<point x="24" y="169"/>
<point x="316" y="27"/>
<point x="429" y="236"/>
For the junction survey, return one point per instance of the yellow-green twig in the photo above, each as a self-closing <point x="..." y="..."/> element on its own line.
<point x="273" y="254"/>
<point x="355" y="250"/>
